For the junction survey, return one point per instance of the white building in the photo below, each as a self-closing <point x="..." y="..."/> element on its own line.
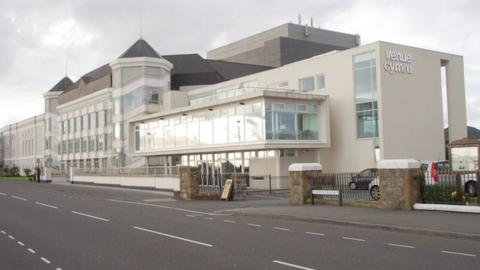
<point x="293" y="94"/>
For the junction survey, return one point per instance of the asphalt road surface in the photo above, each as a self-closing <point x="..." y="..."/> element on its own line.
<point x="46" y="226"/>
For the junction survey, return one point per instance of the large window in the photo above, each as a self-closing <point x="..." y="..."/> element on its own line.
<point x="307" y="84"/>
<point x="366" y="95"/>
<point x="290" y="121"/>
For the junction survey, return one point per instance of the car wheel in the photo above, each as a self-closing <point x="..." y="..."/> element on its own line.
<point x="471" y="188"/>
<point x="353" y="185"/>
<point x="375" y="193"/>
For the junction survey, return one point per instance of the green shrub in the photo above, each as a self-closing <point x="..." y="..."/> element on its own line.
<point x="447" y="194"/>
<point x="27" y="171"/>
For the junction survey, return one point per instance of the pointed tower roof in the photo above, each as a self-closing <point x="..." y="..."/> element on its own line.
<point x="62" y="85"/>
<point x="140" y="48"/>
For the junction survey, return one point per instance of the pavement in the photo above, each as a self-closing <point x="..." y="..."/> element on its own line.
<point x="47" y="226"/>
<point x="435" y="223"/>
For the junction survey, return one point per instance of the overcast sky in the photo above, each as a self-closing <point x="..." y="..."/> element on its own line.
<point x="38" y="36"/>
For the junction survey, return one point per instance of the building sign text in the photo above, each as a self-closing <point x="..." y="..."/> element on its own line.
<point x="398" y="62"/>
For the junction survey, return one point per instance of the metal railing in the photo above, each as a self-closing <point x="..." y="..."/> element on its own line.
<point x="353" y="186"/>
<point x="268" y="184"/>
<point x="150" y="171"/>
<point x="449" y="187"/>
<point x="219" y="94"/>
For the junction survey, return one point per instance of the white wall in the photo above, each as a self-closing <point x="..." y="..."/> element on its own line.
<point x="162" y="183"/>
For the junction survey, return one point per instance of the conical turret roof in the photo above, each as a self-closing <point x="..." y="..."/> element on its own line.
<point x="140" y="48"/>
<point x="62" y="85"/>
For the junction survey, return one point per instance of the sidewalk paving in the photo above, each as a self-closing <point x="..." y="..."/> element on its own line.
<point x="436" y="223"/>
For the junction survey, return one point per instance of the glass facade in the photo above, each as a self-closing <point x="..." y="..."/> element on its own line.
<point x="141" y="96"/>
<point x="252" y="122"/>
<point x="366" y="107"/>
<point x="215" y="168"/>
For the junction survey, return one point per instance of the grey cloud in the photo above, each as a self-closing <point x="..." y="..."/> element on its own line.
<point x="104" y="29"/>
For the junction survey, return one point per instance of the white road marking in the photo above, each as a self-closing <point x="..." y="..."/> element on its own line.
<point x="90" y="216"/>
<point x="398" y="245"/>
<point x="192" y="216"/>
<point x="314" y="233"/>
<point x="20" y="243"/>
<point x="229" y="221"/>
<point x="208" y="218"/>
<point x="31" y="251"/>
<point x="254" y="225"/>
<point x="45" y="260"/>
<point x="3" y="194"/>
<point x="3" y="232"/>
<point x="293" y="265"/>
<point x="168" y="207"/>
<point x="58" y="268"/>
<point x="11" y="237"/>
<point x="19" y="198"/>
<point x="459" y="253"/>
<point x="353" y="239"/>
<point x="281" y="229"/>
<point x="173" y="236"/>
<point x="46" y="205"/>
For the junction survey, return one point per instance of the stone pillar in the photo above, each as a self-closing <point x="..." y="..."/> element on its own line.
<point x="188" y="183"/>
<point x="300" y="185"/>
<point x="239" y="187"/>
<point x="399" y="183"/>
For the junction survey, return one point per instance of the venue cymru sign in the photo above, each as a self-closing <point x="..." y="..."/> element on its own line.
<point x="398" y="62"/>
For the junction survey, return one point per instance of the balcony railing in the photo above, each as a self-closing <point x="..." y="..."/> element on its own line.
<point x="219" y="94"/>
<point x="150" y="171"/>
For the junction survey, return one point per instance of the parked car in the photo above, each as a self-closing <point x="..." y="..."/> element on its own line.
<point x="362" y="180"/>
<point x="374" y="189"/>
<point x="439" y="173"/>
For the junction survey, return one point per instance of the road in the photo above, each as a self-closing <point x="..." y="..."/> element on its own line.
<point x="46" y="226"/>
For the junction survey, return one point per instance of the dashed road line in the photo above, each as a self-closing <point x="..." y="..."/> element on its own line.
<point x="353" y="239"/>
<point x="254" y="225"/>
<point x="173" y="236"/>
<point x="45" y="260"/>
<point x="191" y="216"/>
<point x="207" y="218"/>
<point x="19" y="198"/>
<point x="229" y="221"/>
<point x="281" y="229"/>
<point x="11" y="237"/>
<point x="4" y="232"/>
<point x="3" y="194"/>
<point x="459" y="253"/>
<point x="90" y="216"/>
<point x="31" y="251"/>
<point x="293" y="265"/>
<point x="46" y="205"/>
<point x="315" y="233"/>
<point x="399" y="245"/>
<point x="20" y="243"/>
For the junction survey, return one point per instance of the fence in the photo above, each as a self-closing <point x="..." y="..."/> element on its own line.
<point x="449" y="187"/>
<point x="362" y="186"/>
<point x="259" y="184"/>
<point x="268" y="184"/>
<point x="150" y="171"/>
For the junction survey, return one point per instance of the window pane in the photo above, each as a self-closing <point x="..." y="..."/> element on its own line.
<point x="220" y="130"/>
<point x="366" y="95"/>
<point x="307" y="126"/>
<point x="307" y="84"/>
<point x="320" y="81"/>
